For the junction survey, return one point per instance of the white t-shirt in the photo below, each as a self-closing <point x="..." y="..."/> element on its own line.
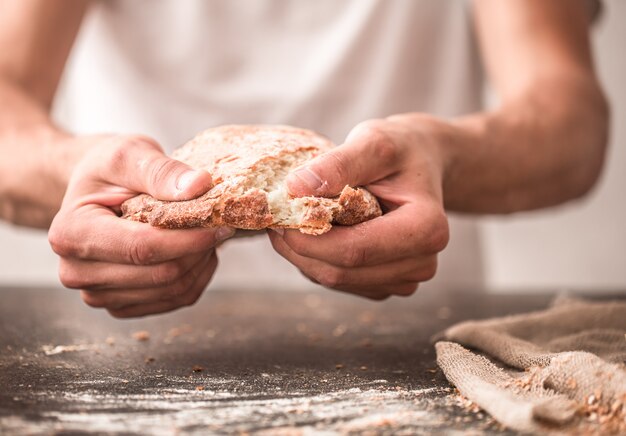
<point x="170" y="69"/>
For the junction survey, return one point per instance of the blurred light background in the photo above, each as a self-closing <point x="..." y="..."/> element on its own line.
<point x="576" y="246"/>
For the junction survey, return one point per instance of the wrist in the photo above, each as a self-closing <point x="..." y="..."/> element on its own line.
<point x="31" y="192"/>
<point x="65" y="151"/>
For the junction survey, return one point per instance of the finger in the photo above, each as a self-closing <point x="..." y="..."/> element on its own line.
<point x="367" y="155"/>
<point x="371" y="294"/>
<point x="144" y="301"/>
<point x="390" y="276"/>
<point x="379" y="293"/>
<point x="139" y="164"/>
<point x="409" y="231"/>
<point x="94" y="233"/>
<point x="156" y="308"/>
<point x="96" y="276"/>
<point x="122" y="297"/>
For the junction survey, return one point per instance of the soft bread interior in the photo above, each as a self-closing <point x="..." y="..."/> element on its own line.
<point x="269" y="176"/>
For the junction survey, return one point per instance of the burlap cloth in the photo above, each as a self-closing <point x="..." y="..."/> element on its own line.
<point x="560" y="369"/>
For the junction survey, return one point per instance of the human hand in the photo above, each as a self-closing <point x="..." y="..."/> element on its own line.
<point x="131" y="268"/>
<point x="399" y="160"/>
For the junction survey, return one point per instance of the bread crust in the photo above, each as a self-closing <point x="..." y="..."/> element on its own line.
<point x="241" y="159"/>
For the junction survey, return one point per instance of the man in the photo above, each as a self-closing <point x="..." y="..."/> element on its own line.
<point x="402" y="75"/>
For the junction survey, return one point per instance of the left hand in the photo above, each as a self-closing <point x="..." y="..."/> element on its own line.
<point x="129" y="268"/>
<point x="400" y="161"/>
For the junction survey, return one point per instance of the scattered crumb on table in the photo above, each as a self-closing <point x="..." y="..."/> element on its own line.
<point x="141" y="335"/>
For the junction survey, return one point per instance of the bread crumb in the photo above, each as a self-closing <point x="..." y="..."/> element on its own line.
<point x="339" y="366"/>
<point x="141" y="335"/>
<point x="177" y="331"/>
<point x="150" y="359"/>
<point x="197" y="368"/>
<point x="340" y="330"/>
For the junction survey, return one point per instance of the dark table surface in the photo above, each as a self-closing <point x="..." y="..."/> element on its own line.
<point x="271" y="362"/>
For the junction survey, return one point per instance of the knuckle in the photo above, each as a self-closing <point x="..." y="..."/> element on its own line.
<point x="119" y="313"/>
<point x="331" y="277"/>
<point x="140" y="140"/>
<point x="384" y="148"/>
<point x="309" y="276"/>
<point x="178" y="290"/>
<point x="297" y="244"/>
<point x="118" y="153"/>
<point x="56" y="240"/>
<point x="92" y="299"/>
<point x="61" y="242"/>
<point x="70" y="278"/>
<point x="191" y="298"/>
<point x="162" y="168"/>
<point x="353" y="257"/>
<point x="70" y="241"/>
<point x="406" y="290"/>
<point x="119" y="149"/>
<point x="122" y="144"/>
<point x="370" y="127"/>
<point x="382" y="144"/>
<point x="166" y="273"/>
<point x="424" y="272"/>
<point x="429" y="271"/>
<point x="140" y="252"/>
<point x="187" y="298"/>
<point x="439" y="232"/>
<point x="439" y="239"/>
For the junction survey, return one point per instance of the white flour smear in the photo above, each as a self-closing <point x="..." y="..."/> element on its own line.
<point x="171" y="411"/>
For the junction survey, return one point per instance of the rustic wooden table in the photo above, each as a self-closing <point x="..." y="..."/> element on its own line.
<point x="236" y="362"/>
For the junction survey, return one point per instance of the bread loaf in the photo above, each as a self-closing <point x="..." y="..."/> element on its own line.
<point x="249" y="164"/>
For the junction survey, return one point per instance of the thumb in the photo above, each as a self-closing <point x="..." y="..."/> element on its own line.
<point x="169" y="179"/>
<point x="365" y="156"/>
<point x="140" y="165"/>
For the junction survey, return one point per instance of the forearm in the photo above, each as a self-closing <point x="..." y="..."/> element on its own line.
<point x="36" y="159"/>
<point x="540" y="149"/>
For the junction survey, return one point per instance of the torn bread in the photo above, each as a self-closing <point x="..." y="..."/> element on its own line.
<point x="249" y="165"/>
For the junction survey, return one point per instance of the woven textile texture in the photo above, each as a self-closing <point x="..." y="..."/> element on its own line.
<point x="560" y="369"/>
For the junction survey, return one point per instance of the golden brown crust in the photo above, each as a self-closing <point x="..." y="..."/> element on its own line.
<point x="241" y="160"/>
<point x="247" y="211"/>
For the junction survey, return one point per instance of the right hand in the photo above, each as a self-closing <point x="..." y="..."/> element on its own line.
<point x="131" y="268"/>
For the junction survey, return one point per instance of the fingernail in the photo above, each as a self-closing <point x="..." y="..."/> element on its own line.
<point x="224" y="233"/>
<point x="186" y="179"/>
<point x="304" y="176"/>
